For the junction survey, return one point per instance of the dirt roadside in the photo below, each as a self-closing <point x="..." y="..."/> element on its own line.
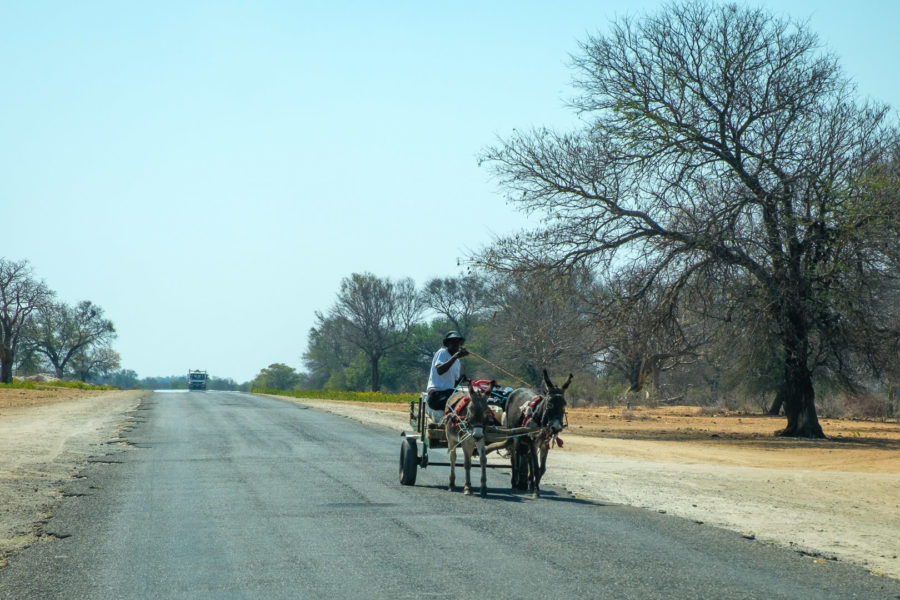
<point x="832" y="499"/>
<point x="46" y="436"/>
<point x="835" y="499"/>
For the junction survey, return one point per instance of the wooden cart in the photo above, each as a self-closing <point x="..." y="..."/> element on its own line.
<point x="426" y="435"/>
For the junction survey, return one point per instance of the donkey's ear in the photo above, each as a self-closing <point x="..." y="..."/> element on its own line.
<point x="547" y="380"/>
<point x="471" y="388"/>
<point x="568" y="381"/>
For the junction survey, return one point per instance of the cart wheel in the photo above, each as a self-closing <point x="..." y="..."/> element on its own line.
<point x="408" y="462"/>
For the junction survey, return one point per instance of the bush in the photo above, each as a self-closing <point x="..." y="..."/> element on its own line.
<point x="867" y="406"/>
<point x="340" y="395"/>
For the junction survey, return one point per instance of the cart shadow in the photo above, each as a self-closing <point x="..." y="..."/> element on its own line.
<point x="508" y="495"/>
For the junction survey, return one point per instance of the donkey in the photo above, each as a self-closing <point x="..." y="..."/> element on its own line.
<point x="545" y="414"/>
<point x="464" y="427"/>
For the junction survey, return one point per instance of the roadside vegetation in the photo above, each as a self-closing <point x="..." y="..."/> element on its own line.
<point x="40" y="385"/>
<point x="721" y="231"/>
<point x="342" y="395"/>
<point x="39" y="334"/>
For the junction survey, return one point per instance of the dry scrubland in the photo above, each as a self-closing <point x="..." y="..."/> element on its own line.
<point x="830" y="499"/>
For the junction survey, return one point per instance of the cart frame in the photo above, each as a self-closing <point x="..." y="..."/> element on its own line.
<point x="433" y="435"/>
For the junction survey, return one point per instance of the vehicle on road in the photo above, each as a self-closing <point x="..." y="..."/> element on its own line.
<point x="197" y="380"/>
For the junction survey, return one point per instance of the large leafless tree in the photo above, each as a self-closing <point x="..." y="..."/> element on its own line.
<point x="374" y="315"/>
<point x="20" y="295"/>
<point x="720" y="143"/>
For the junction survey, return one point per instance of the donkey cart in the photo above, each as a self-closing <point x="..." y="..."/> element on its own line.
<point x="429" y="435"/>
<point x="532" y="424"/>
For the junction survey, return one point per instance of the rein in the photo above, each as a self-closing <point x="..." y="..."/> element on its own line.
<point x="499" y="368"/>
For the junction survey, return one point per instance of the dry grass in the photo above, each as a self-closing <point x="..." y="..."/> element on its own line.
<point x="23" y="397"/>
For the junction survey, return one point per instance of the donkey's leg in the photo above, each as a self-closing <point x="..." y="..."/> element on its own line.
<point x="535" y="475"/>
<point x="483" y="460"/>
<point x="542" y="467"/>
<point x="451" y="442"/>
<point x="514" y="463"/>
<point x="467" y="459"/>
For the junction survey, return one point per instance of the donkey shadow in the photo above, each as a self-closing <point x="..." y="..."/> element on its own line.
<point x="505" y="494"/>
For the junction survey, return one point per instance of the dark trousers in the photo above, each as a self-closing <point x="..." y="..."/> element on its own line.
<point x="437" y="399"/>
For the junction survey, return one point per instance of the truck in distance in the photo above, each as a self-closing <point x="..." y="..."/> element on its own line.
<point x="196" y="380"/>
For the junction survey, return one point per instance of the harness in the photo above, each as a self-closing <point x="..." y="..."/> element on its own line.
<point x="455" y="414"/>
<point x="456" y="420"/>
<point x="546" y="438"/>
<point x="530" y="410"/>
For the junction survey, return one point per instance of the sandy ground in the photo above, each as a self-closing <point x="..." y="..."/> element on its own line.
<point x="46" y="436"/>
<point x="836" y="499"/>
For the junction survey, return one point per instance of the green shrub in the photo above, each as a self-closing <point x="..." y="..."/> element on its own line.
<point x="340" y="395"/>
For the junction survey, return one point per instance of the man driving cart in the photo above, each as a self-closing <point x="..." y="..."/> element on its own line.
<point x="445" y="374"/>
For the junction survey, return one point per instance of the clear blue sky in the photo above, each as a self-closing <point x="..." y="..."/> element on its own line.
<point x="208" y="172"/>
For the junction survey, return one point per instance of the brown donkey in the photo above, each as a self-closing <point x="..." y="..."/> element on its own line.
<point x="464" y="427"/>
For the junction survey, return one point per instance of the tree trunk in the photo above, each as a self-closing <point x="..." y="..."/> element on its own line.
<point x="376" y="376"/>
<point x="634" y="372"/>
<point x="6" y="360"/>
<point x="6" y="368"/>
<point x="796" y="392"/>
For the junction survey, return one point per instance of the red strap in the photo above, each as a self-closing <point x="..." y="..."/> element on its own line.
<point x="482" y="385"/>
<point x="453" y="412"/>
<point x="530" y="410"/>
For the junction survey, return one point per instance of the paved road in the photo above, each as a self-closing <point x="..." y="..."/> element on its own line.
<point x="227" y="495"/>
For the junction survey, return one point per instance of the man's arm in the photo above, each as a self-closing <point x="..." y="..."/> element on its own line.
<point x="443" y="367"/>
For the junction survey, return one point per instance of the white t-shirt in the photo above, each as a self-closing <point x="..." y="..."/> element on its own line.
<point x="448" y="379"/>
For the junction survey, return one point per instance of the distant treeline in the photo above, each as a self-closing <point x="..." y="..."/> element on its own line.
<point x="128" y="379"/>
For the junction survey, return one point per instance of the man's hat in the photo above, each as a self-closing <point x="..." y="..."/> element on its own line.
<point x="453" y="335"/>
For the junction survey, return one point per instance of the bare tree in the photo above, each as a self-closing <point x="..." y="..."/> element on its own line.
<point x="540" y="323"/>
<point x="643" y="329"/>
<point x="94" y="362"/>
<point x="375" y="315"/>
<point x="60" y="332"/>
<point x="20" y="296"/>
<point x="461" y="300"/>
<point x="717" y="137"/>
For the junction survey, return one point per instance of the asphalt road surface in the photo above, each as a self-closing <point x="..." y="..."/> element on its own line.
<point x="225" y="495"/>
